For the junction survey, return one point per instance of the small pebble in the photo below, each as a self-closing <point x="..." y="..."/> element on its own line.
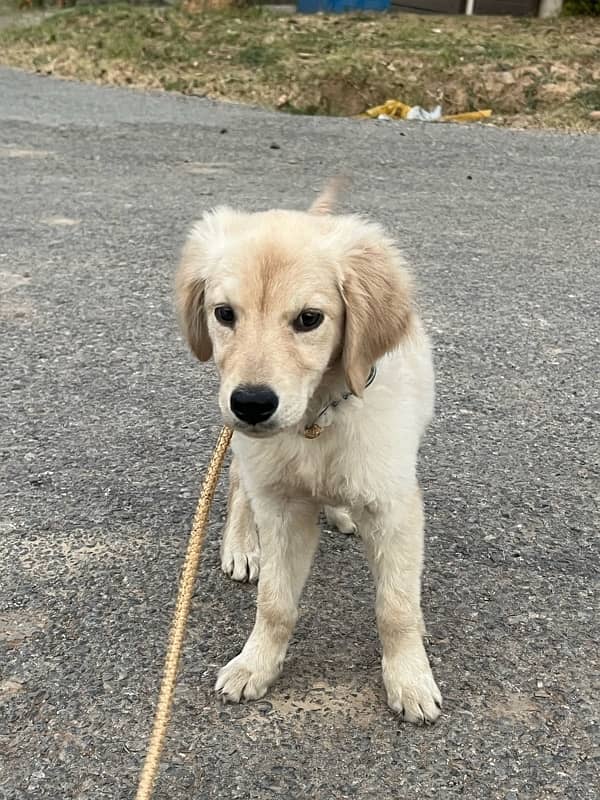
<point x="595" y="116"/>
<point x="264" y="707"/>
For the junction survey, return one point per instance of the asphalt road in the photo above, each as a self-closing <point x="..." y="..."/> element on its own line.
<point x="107" y="423"/>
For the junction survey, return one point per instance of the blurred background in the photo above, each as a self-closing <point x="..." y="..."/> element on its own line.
<point x="533" y="63"/>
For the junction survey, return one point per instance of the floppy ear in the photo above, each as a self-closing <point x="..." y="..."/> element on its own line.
<point x="377" y="295"/>
<point x="189" y="288"/>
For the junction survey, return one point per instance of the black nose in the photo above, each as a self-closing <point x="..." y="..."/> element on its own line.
<point x="253" y="404"/>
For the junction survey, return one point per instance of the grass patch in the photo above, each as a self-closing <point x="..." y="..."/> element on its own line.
<point x="530" y="72"/>
<point x="258" y="55"/>
<point x="589" y="98"/>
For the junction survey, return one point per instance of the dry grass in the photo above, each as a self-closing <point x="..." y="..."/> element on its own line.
<point x="530" y="72"/>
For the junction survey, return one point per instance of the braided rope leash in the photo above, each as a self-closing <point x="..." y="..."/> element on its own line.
<point x="180" y="617"/>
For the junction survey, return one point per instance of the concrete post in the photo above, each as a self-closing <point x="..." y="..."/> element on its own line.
<point x="550" y="8"/>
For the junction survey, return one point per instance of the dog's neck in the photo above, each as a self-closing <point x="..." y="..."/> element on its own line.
<point x="331" y="392"/>
<point x="332" y="386"/>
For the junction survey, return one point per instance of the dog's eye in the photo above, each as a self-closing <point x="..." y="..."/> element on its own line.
<point x="225" y="315"/>
<point x="308" y="320"/>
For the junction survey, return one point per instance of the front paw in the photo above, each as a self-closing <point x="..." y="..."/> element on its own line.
<point x="240" y="551"/>
<point x="411" y="689"/>
<point x="241" y="679"/>
<point x="241" y="565"/>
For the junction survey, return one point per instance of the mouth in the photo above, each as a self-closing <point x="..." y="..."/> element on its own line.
<point x="260" y="431"/>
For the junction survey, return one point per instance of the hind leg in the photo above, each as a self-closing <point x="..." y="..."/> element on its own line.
<point x="339" y="517"/>
<point x="240" y="550"/>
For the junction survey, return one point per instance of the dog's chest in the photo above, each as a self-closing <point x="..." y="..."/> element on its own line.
<point x="323" y="469"/>
<point x="319" y="476"/>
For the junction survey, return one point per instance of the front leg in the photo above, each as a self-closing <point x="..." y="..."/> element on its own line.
<point x="240" y="549"/>
<point x="394" y="544"/>
<point x="289" y="534"/>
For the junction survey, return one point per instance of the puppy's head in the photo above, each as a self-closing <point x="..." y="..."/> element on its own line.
<point x="280" y="299"/>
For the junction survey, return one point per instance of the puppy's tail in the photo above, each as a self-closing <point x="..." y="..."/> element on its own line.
<point x="325" y="202"/>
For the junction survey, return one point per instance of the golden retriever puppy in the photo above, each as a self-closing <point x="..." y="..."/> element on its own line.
<point x="326" y="379"/>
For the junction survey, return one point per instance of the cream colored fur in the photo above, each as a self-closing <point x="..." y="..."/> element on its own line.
<point x="268" y="267"/>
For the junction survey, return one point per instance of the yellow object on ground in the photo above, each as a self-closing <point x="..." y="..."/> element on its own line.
<point x="468" y="116"/>
<point x="391" y="108"/>
<point x="395" y="109"/>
